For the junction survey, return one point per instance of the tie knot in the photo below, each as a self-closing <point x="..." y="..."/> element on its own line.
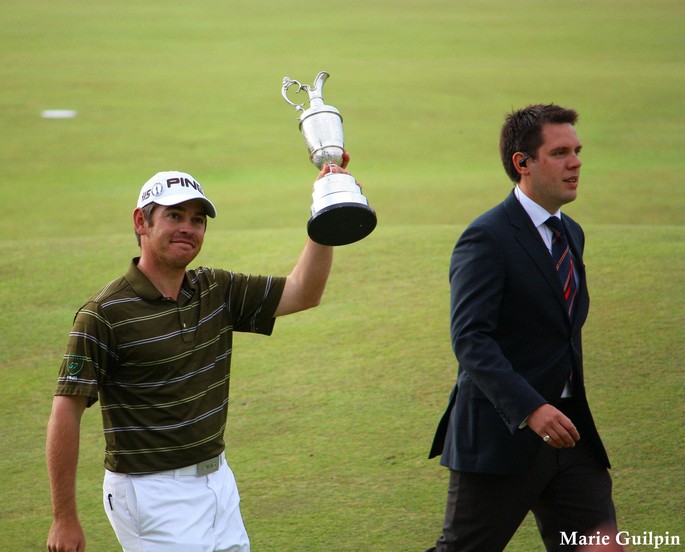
<point x="555" y="224"/>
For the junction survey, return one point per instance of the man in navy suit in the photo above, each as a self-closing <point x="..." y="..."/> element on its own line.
<point x="518" y="435"/>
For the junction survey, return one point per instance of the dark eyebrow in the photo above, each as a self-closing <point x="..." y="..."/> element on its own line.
<point x="566" y="148"/>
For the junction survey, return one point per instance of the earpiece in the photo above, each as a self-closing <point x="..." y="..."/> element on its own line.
<point x="522" y="161"/>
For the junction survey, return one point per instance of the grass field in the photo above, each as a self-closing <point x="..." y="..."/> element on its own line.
<point x="331" y="418"/>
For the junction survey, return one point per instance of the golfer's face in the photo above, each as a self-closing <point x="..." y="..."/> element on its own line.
<point x="176" y="234"/>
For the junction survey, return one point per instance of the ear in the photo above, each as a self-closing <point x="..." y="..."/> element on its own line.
<point x="519" y="159"/>
<point x="139" y="221"/>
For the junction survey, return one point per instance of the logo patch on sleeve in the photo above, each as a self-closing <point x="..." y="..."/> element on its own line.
<point x="75" y="364"/>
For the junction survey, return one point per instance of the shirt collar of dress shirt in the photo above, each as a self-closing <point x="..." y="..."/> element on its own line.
<point x="537" y="214"/>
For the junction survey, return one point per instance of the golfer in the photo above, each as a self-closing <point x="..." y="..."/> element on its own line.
<point x="154" y="347"/>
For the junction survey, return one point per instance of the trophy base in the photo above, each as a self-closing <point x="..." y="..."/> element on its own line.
<point x="341" y="224"/>
<point x="340" y="213"/>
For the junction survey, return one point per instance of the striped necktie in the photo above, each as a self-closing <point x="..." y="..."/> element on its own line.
<point x="563" y="261"/>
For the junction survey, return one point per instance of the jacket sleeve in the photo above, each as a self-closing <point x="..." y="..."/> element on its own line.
<point x="478" y="276"/>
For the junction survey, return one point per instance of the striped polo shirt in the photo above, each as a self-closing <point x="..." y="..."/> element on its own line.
<point x="161" y="368"/>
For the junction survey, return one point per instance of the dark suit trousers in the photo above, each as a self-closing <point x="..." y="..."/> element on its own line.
<point x="567" y="490"/>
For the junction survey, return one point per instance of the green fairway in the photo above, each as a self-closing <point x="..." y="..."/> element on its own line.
<point x="332" y="417"/>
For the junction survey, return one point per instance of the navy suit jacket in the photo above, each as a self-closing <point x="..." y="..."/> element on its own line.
<point x="515" y="344"/>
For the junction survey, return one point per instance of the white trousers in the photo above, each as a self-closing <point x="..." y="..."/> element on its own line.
<point x="171" y="512"/>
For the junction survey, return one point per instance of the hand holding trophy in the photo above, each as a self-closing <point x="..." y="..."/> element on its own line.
<point x="340" y="213"/>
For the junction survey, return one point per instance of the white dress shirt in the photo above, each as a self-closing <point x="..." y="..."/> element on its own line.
<point x="539" y="216"/>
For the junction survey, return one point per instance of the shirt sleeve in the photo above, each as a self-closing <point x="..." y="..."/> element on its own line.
<point x="90" y="354"/>
<point x="252" y="302"/>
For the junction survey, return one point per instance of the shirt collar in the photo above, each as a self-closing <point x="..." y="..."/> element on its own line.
<point x="537" y="213"/>
<point x="145" y="289"/>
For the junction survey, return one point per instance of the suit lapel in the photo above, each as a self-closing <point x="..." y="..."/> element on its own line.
<point x="531" y="242"/>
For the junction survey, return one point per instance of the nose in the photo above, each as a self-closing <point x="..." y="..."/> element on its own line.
<point x="187" y="227"/>
<point x="575" y="161"/>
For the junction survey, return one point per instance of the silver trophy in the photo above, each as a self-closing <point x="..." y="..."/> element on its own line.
<point x="340" y="212"/>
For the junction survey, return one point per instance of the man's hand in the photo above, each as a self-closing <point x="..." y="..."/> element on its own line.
<point x="62" y="447"/>
<point x="553" y="427"/>
<point x="66" y="536"/>
<point x="333" y="168"/>
<point x="345" y="159"/>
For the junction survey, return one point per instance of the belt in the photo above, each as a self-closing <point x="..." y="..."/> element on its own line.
<point x="201" y="468"/>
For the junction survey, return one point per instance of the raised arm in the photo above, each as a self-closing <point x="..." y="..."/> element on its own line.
<point x="305" y="284"/>
<point x="62" y="449"/>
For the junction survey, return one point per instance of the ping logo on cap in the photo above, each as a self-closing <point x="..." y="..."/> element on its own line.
<point x="183" y="181"/>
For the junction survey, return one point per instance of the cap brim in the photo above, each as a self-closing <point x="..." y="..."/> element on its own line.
<point x="210" y="210"/>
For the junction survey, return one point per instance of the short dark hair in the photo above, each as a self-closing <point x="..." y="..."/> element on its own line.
<point x="522" y="131"/>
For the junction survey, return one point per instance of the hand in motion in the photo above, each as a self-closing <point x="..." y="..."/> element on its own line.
<point x="553" y="427"/>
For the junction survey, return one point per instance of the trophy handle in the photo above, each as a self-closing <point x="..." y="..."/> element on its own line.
<point x="287" y="83"/>
<point x="314" y="91"/>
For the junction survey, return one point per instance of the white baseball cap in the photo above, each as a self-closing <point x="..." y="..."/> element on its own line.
<point x="172" y="188"/>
